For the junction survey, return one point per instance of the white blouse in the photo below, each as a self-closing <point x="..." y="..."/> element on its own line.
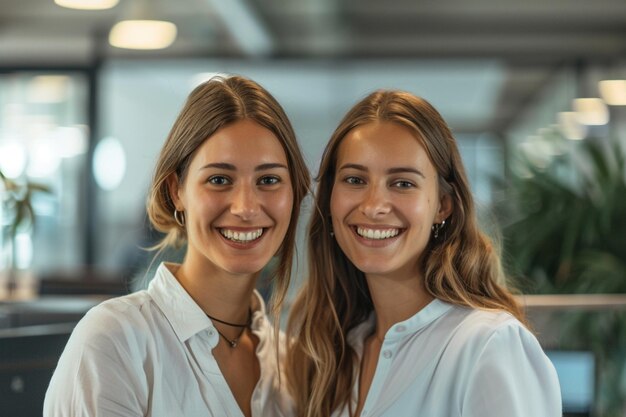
<point x="150" y="354"/>
<point x="450" y="361"/>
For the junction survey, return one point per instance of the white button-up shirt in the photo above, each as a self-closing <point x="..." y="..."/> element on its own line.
<point x="150" y="354"/>
<point x="450" y="361"/>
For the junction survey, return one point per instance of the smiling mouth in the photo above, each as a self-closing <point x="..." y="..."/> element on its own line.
<point x="377" y="234"/>
<point x="241" y="236"/>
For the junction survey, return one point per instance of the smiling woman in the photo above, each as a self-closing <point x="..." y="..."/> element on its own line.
<point x="229" y="182"/>
<point x="406" y="311"/>
<point x="383" y="208"/>
<point x="237" y="199"/>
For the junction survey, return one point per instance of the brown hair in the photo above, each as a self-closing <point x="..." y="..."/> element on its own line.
<point x="211" y="106"/>
<point x="461" y="267"/>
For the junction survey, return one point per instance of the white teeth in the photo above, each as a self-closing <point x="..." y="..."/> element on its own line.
<point x="377" y="234"/>
<point x="241" y="237"/>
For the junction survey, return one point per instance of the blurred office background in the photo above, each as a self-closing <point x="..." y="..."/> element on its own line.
<point x="535" y="92"/>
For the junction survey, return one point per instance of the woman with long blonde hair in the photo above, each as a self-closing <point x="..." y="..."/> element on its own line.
<point x="228" y="184"/>
<point x="406" y="310"/>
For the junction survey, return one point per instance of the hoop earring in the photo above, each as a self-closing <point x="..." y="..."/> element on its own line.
<point x="179" y="218"/>
<point x="436" y="228"/>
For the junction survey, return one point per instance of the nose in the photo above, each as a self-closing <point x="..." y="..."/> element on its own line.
<point x="245" y="203"/>
<point x="375" y="202"/>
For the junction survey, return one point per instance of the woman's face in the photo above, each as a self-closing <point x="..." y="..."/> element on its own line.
<point x="237" y="198"/>
<point x="385" y="199"/>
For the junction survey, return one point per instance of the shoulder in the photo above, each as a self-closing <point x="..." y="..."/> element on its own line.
<point x="482" y="327"/>
<point x="500" y="355"/>
<point x="120" y="309"/>
<point x="102" y="364"/>
<point x="120" y="321"/>
<point x="486" y="339"/>
<point x="504" y="342"/>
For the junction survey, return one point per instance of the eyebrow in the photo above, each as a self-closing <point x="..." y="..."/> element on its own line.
<point x="231" y="167"/>
<point x="395" y="170"/>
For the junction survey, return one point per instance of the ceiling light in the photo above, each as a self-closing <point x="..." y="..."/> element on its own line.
<point x="142" y="34"/>
<point x="591" y="111"/>
<point x="613" y="92"/>
<point x="570" y="127"/>
<point x="87" y="4"/>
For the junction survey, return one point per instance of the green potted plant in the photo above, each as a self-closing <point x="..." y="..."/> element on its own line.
<point x="565" y="233"/>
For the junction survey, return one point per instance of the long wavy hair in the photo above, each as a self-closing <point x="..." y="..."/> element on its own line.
<point x="210" y="107"/>
<point x="461" y="267"/>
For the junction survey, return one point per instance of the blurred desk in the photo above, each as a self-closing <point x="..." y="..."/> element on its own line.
<point x="46" y="310"/>
<point x="573" y="302"/>
<point x="546" y="312"/>
<point x="83" y="281"/>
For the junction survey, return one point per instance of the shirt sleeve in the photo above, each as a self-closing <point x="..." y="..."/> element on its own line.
<point x="100" y="371"/>
<point x="512" y="377"/>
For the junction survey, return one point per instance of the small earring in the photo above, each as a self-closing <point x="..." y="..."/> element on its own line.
<point x="436" y="228"/>
<point x="179" y="217"/>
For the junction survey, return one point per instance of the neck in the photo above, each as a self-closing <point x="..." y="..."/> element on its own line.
<point x="396" y="299"/>
<point x="218" y="293"/>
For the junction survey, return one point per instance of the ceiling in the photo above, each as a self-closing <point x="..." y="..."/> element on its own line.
<point x="531" y="39"/>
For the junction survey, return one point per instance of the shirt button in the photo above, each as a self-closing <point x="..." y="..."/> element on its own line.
<point x="400" y="328"/>
<point x="213" y="338"/>
<point x="386" y="354"/>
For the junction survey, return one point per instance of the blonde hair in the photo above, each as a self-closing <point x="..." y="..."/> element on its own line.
<point x="461" y="267"/>
<point x="211" y="106"/>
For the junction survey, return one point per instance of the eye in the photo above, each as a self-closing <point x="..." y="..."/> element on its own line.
<point x="353" y="181"/>
<point x="269" y="180"/>
<point x="219" y="180"/>
<point x="403" y="184"/>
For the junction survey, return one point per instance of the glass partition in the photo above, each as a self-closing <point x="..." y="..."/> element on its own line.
<point x="43" y="147"/>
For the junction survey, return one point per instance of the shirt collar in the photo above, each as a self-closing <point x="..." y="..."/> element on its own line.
<point x="182" y="312"/>
<point x="432" y="311"/>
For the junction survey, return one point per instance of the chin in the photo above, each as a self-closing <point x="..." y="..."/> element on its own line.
<point x="376" y="271"/>
<point x="243" y="269"/>
<point x="244" y="263"/>
<point x="372" y="267"/>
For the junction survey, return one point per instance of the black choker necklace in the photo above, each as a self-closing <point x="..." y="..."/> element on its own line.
<point x="232" y="342"/>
